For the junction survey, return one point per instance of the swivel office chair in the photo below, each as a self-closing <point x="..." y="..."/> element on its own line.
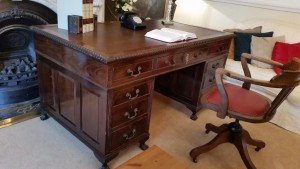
<point x="243" y="104"/>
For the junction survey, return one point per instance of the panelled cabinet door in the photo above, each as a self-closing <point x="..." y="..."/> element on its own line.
<point x="47" y="86"/>
<point x="68" y="99"/>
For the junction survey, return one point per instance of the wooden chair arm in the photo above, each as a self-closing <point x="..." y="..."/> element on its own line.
<point x="223" y="93"/>
<point x="267" y="61"/>
<point x="245" y="57"/>
<point x="253" y="81"/>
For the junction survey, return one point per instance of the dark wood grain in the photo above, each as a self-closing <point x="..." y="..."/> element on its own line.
<point x="128" y="112"/>
<point x="47" y="89"/>
<point x="90" y="106"/>
<point x="118" y="43"/>
<point x="100" y="85"/>
<point x="67" y="97"/>
<point x="130" y="93"/>
<point x="128" y="133"/>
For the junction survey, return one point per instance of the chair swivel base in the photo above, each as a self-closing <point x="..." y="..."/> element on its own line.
<point x="232" y="133"/>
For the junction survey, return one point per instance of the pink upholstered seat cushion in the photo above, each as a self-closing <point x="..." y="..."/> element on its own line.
<point x="241" y="101"/>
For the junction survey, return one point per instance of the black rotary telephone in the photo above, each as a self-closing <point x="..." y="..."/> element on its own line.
<point x="132" y="21"/>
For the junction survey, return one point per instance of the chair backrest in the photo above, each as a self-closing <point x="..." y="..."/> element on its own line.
<point x="290" y="78"/>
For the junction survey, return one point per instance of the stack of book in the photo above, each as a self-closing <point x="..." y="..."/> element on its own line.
<point x="87" y="16"/>
<point x="77" y="17"/>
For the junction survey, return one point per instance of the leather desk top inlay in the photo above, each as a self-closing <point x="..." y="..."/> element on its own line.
<point x="121" y="43"/>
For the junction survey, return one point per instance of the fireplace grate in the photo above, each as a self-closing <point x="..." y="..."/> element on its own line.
<point x="18" y="71"/>
<point x="19" y="92"/>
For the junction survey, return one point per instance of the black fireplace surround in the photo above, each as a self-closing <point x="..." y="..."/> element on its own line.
<point x="18" y="71"/>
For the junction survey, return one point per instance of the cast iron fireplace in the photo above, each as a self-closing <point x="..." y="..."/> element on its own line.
<point x="18" y="72"/>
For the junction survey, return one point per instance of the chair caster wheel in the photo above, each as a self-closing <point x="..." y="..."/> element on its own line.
<point x="44" y="117"/>
<point x="194" y="117"/>
<point x="195" y="160"/>
<point x="257" y="149"/>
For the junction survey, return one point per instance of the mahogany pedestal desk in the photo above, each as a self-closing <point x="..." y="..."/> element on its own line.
<point x="99" y="85"/>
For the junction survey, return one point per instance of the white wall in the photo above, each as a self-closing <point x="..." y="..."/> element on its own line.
<point x="218" y="15"/>
<point x="49" y="3"/>
<point x="64" y="8"/>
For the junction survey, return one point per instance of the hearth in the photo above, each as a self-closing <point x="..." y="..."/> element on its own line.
<point x="18" y="72"/>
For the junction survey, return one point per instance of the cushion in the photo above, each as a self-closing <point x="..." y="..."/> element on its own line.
<point x="262" y="74"/>
<point x="231" y="48"/>
<point x="262" y="47"/>
<point x="242" y="43"/>
<point x="284" y="52"/>
<point x="252" y="104"/>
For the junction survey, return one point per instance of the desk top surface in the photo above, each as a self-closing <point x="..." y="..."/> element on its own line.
<point x="111" y="42"/>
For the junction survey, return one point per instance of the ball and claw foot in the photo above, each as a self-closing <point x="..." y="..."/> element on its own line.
<point x="44" y="117"/>
<point x="194" y="117"/>
<point x="144" y="146"/>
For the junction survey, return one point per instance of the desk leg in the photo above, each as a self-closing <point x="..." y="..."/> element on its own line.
<point x="193" y="116"/>
<point x="194" y="110"/>
<point x="105" y="160"/>
<point x="44" y="116"/>
<point x="184" y="86"/>
<point x="143" y="144"/>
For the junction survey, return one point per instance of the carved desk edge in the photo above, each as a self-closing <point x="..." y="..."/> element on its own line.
<point x="106" y="60"/>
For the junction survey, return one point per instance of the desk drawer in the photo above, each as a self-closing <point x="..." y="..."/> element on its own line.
<point x="129" y="112"/>
<point x="129" y="133"/>
<point x="132" y="70"/>
<point x="165" y="61"/>
<point x="214" y="65"/>
<point x="191" y="56"/>
<point x="211" y="68"/>
<point x="130" y="94"/>
<point x="219" y="48"/>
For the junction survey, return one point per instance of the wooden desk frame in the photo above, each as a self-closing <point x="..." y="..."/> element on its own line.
<point x="106" y="102"/>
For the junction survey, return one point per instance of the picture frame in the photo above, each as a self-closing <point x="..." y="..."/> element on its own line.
<point x="154" y="9"/>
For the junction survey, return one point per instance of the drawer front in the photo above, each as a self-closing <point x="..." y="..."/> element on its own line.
<point x="132" y="70"/>
<point x="219" y="48"/>
<point x="191" y="56"/>
<point x="165" y="61"/>
<point x="209" y="81"/>
<point x="211" y="68"/>
<point x="130" y="93"/>
<point x="214" y="65"/>
<point x="128" y="133"/>
<point x="129" y="112"/>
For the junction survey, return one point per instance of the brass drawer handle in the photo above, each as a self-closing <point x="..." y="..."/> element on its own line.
<point x="215" y="65"/>
<point x="129" y="136"/>
<point x="213" y="79"/>
<point x="131" y="72"/>
<point x="128" y="116"/>
<point x="129" y="96"/>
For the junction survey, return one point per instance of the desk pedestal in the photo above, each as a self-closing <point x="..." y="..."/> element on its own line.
<point x="107" y="105"/>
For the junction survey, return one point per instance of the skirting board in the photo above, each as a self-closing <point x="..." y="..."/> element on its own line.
<point x="280" y="5"/>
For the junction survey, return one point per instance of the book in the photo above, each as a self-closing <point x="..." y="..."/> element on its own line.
<point x="170" y="35"/>
<point x="83" y="8"/>
<point x="87" y="15"/>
